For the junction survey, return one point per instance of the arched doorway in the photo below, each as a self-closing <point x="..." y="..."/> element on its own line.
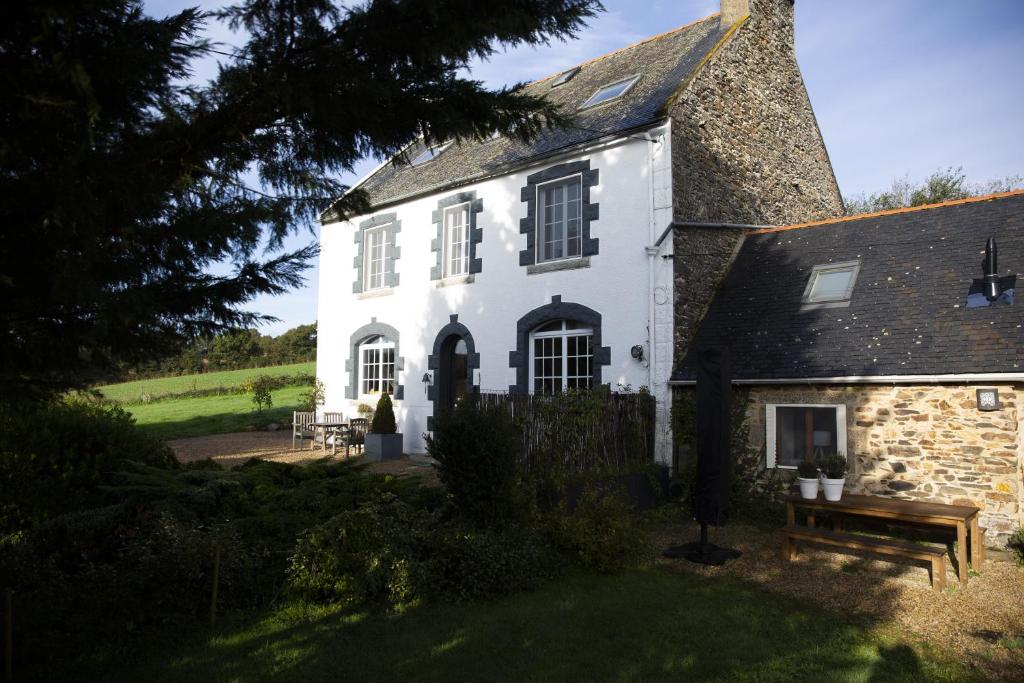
<point x="453" y="361"/>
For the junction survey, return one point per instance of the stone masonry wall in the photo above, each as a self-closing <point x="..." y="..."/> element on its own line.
<point x="923" y="443"/>
<point x="745" y="149"/>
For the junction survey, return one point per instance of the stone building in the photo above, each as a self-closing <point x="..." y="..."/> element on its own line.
<point x="496" y="265"/>
<point x="870" y="336"/>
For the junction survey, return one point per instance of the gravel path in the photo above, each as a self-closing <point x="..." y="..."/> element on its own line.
<point x="981" y="625"/>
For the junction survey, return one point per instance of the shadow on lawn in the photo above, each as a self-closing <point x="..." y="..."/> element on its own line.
<point x="642" y="625"/>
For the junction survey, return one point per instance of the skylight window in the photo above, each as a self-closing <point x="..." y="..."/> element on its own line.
<point x="831" y="285"/>
<point x="609" y="92"/>
<point x="565" y="77"/>
<point x="430" y="153"/>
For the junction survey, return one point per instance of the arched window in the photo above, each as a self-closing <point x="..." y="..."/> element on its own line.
<point x="376" y="366"/>
<point x="561" y="357"/>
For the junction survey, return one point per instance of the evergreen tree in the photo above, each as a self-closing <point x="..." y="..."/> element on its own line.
<point x="123" y="182"/>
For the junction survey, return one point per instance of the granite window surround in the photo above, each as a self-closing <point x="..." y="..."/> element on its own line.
<point x="392" y="251"/>
<point x="556" y="310"/>
<point x="588" y="211"/>
<point x="476" y="234"/>
<point x="438" y="387"/>
<point x="372" y="329"/>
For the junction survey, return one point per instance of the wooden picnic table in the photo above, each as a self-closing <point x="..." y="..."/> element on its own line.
<point x="964" y="518"/>
<point x="325" y="428"/>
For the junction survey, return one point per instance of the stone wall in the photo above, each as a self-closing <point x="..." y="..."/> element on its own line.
<point x="923" y="443"/>
<point x="746" y="146"/>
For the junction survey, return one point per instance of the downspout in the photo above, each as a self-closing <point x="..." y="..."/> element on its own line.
<point x="652" y="252"/>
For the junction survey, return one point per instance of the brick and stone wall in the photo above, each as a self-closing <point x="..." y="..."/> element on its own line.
<point x="923" y="443"/>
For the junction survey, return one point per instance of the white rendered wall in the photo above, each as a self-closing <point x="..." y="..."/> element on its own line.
<point x="617" y="285"/>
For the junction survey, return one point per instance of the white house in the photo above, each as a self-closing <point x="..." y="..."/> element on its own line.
<point x="498" y="266"/>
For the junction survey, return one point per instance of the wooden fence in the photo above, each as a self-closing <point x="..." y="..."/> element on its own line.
<point x="585" y="432"/>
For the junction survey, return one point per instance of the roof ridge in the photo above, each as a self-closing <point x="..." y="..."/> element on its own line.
<point x="598" y="58"/>
<point x="889" y="212"/>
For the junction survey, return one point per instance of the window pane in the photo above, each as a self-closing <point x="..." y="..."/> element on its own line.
<point x="830" y="284"/>
<point x="804" y="434"/>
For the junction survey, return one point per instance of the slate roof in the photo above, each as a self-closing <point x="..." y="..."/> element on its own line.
<point x="663" y="63"/>
<point x="907" y="315"/>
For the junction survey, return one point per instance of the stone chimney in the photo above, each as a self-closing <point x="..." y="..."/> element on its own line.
<point x="734" y="10"/>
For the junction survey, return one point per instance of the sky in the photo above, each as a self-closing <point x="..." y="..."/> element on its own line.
<point x="899" y="87"/>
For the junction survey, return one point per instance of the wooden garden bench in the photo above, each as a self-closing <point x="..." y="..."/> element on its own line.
<point x="936" y="557"/>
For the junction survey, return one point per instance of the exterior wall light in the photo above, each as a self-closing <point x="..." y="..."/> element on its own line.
<point x="988" y="399"/>
<point x="426" y="382"/>
<point x="637" y="352"/>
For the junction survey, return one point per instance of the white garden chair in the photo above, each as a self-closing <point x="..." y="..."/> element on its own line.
<point x="300" y="426"/>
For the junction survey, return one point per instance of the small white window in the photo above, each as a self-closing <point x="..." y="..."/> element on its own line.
<point x="561" y="357"/>
<point x="558" y="220"/>
<point x="565" y="77"/>
<point x="609" y="92"/>
<point x="831" y="285"/>
<point x="376" y="366"/>
<point x="803" y="432"/>
<point x="456" y="240"/>
<point x="374" y="255"/>
<point x="430" y="153"/>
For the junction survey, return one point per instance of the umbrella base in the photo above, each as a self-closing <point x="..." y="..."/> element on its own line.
<point x="702" y="553"/>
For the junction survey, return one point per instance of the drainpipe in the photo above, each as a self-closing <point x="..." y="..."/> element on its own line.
<point x="652" y="253"/>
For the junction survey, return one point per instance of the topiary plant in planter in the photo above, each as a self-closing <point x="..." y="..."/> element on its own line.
<point x="383" y="442"/>
<point x="834" y="469"/>
<point x="807" y="476"/>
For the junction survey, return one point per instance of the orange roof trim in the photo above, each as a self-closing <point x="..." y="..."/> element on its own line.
<point x="628" y="47"/>
<point x="888" y="212"/>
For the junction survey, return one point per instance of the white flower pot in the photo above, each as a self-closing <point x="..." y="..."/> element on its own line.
<point x="833" y="488"/>
<point x="808" y="488"/>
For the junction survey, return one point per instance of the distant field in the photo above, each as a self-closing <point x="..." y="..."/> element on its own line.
<point x="183" y="417"/>
<point x="131" y="392"/>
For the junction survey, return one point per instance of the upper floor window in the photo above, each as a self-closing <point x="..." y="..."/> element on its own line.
<point x="377" y="366"/>
<point x="565" y="76"/>
<point x="831" y="285"/>
<point x="611" y="91"/>
<point x="561" y="356"/>
<point x="558" y="224"/>
<point x="374" y="253"/>
<point x="456" y="240"/>
<point x="430" y="153"/>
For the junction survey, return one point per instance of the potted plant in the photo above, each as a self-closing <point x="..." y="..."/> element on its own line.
<point x="383" y="442"/>
<point x="807" y="475"/>
<point x="834" y="469"/>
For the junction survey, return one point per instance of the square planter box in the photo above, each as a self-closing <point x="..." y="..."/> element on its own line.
<point x="382" y="447"/>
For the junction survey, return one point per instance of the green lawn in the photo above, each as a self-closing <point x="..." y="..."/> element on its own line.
<point x="182" y="417"/>
<point x="131" y="392"/>
<point x="640" y="626"/>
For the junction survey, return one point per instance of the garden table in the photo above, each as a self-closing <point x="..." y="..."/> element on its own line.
<point x="963" y="518"/>
<point x="326" y="429"/>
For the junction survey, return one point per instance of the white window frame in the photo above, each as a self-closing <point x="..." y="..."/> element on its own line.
<point x="434" y="151"/>
<point x="770" y="425"/>
<point x="842" y="300"/>
<point x="539" y="227"/>
<point x="446" y="253"/>
<point x="368" y="257"/>
<point x="565" y="76"/>
<point x="381" y="345"/>
<point x="631" y="80"/>
<point x="564" y="334"/>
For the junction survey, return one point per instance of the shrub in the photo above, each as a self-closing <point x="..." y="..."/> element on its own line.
<point x="384" y="417"/>
<point x="314" y="398"/>
<point x="261" y="387"/>
<point x="55" y="458"/>
<point x="834" y="466"/>
<point x="602" y="533"/>
<point x="478" y="449"/>
<point x="807" y="470"/>
<point x="1016" y="544"/>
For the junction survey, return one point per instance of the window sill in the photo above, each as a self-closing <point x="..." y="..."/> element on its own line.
<point x="552" y="266"/>
<point x="455" y="280"/>
<point x="374" y="293"/>
<point x="814" y="306"/>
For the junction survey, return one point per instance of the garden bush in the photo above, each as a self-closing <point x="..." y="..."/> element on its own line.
<point x="478" y="449"/>
<point x="384" y="417"/>
<point x="1016" y="545"/>
<point x="602" y="533"/>
<point x="55" y="458"/>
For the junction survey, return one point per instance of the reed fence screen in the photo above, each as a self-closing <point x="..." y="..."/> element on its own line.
<point x="582" y="432"/>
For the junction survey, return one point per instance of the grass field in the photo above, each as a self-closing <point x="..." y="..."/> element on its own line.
<point x="640" y="626"/>
<point x="176" y="418"/>
<point x="131" y="392"/>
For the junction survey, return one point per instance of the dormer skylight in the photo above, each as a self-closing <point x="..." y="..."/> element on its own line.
<point x="830" y="285"/>
<point x="565" y="77"/>
<point x="430" y="153"/>
<point x="609" y="92"/>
